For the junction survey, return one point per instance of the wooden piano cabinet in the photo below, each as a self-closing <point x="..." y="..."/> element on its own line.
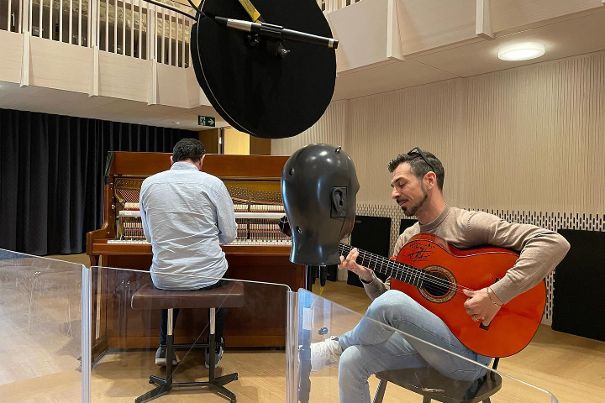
<point x="260" y="323"/>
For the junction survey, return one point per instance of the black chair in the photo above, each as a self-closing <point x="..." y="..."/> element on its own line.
<point x="429" y="383"/>
<point x="228" y="295"/>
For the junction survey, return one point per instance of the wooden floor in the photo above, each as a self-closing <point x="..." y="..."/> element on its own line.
<point x="571" y="367"/>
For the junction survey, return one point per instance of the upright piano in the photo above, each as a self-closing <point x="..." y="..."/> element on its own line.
<point x="260" y="252"/>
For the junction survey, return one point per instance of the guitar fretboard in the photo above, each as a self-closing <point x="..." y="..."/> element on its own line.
<point x="380" y="264"/>
<point x="408" y="274"/>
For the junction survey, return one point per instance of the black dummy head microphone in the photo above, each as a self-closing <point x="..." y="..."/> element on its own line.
<point x="319" y="188"/>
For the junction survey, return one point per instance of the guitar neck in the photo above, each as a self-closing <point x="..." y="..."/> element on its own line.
<point x="380" y="264"/>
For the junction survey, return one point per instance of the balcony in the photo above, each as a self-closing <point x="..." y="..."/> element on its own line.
<point x="128" y="60"/>
<point x="109" y="59"/>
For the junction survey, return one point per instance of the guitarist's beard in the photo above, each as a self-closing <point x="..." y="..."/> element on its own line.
<point x="412" y="210"/>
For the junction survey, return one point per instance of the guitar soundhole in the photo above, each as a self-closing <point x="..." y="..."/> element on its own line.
<point x="436" y="288"/>
<point x="439" y="284"/>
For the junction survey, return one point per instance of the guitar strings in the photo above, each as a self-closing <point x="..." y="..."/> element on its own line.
<point x="403" y="269"/>
<point x="400" y="269"/>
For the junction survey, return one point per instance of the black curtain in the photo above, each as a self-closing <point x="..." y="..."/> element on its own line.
<point x="51" y="176"/>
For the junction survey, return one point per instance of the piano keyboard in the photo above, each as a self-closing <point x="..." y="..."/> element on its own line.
<point x="257" y="227"/>
<point x="128" y="241"/>
<point x="260" y="242"/>
<point x="238" y="214"/>
<point x="264" y="216"/>
<point x="129" y="213"/>
<point x="239" y="242"/>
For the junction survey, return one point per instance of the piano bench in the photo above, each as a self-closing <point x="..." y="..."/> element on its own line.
<point x="229" y="295"/>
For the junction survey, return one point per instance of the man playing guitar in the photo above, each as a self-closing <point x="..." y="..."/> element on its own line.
<point x="417" y="186"/>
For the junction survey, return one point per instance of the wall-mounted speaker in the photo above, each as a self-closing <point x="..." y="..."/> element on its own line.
<point x="405" y="223"/>
<point x="578" y="303"/>
<point x="372" y="234"/>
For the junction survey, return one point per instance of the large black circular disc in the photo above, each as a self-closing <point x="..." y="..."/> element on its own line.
<point x="254" y="90"/>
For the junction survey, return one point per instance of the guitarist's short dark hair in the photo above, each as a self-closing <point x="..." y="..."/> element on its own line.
<point x="421" y="163"/>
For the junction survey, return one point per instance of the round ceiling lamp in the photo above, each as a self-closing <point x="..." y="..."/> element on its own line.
<point x="521" y="51"/>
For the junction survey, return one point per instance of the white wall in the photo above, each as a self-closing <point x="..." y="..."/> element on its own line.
<point x="529" y="138"/>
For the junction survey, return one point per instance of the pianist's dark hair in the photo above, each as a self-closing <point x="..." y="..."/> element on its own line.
<point x="188" y="149"/>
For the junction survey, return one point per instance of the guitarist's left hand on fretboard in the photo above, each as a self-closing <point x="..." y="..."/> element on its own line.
<point x="350" y="263"/>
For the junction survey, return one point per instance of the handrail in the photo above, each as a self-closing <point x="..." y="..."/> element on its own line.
<point x="121" y="27"/>
<point x="116" y="26"/>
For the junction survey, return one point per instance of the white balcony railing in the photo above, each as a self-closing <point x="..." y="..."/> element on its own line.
<point x="328" y="6"/>
<point x="122" y="27"/>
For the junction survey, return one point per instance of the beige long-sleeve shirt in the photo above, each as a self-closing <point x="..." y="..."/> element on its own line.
<point x="540" y="250"/>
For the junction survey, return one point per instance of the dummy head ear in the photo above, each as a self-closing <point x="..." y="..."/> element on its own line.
<point x="339" y="202"/>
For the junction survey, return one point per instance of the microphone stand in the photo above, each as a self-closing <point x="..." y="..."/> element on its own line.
<point x="276" y="32"/>
<point x="304" y="327"/>
<point x="304" y="336"/>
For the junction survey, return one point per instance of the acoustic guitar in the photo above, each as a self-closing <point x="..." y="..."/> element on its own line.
<point x="434" y="274"/>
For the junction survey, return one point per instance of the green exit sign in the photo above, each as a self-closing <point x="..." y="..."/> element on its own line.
<point x="207" y="121"/>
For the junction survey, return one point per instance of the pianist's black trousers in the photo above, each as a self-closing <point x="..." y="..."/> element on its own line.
<point x="220" y="315"/>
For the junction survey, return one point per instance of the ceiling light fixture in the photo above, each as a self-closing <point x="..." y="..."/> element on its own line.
<point x="521" y="51"/>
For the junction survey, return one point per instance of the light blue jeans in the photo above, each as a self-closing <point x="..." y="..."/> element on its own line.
<point x="371" y="347"/>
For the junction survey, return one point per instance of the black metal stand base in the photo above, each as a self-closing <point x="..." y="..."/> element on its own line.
<point x="213" y="384"/>
<point x="165" y="386"/>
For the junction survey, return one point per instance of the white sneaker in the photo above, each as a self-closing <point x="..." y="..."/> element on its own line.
<point x="325" y="353"/>
<point x="217" y="357"/>
<point x="160" y="357"/>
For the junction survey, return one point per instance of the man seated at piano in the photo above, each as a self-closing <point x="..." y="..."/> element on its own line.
<point x="187" y="215"/>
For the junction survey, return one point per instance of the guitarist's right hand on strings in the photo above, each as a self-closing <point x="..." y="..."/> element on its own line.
<point x="350" y="264"/>
<point x="479" y="306"/>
